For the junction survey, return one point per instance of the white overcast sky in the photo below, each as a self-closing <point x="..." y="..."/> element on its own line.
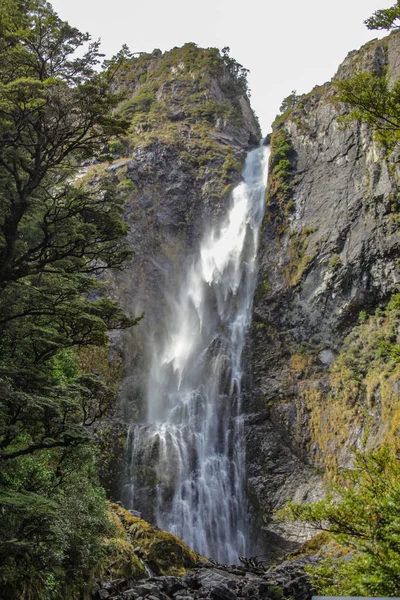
<point x="286" y="44"/>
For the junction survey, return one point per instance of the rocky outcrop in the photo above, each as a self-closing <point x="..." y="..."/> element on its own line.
<point x="328" y="258"/>
<point x="141" y="561"/>
<point x="318" y="384"/>
<point x="217" y="582"/>
<point x="191" y="128"/>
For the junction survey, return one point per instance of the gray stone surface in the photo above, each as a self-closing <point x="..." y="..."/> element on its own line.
<point x="285" y="581"/>
<point x="345" y="192"/>
<point x="173" y="193"/>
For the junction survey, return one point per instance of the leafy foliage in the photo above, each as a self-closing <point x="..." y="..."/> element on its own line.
<point x="385" y="18"/>
<point x="374" y="103"/>
<point x="363" y="514"/>
<point x="58" y="233"/>
<point x="55" y="234"/>
<point x="53" y="522"/>
<point x="369" y="95"/>
<point x="236" y="70"/>
<point x="289" y="102"/>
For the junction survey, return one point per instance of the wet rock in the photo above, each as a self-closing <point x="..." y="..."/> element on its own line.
<point x="291" y="578"/>
<point x="150" y="591"/>
<point x="286" y="581"/>
<point x="171" y="585"/>
<point x="222" y="592"/>
<point x="211" y="578"/>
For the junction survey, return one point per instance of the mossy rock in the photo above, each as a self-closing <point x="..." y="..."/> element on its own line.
<point x="315" y="545"/>
<point x="163" y="552"/>
<point x="120" y="560"/>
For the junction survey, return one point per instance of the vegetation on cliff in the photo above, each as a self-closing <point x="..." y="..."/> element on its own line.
<point x="169" y="95"/>
<point x="360" y="394"/>
<point x="163" y="552"/>
<point x="371" y="96"/>
<point x="192" y="100"/>
<point x="363" y="514"/>
<point x="363" y="381"/>
<point x="281" y="166"/>
<point x="349" y="398"/>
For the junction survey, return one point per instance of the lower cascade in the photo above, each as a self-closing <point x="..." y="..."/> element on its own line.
<point x="188" y="459"/>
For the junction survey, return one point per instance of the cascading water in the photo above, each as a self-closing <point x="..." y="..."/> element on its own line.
<point x="192" y="450"/>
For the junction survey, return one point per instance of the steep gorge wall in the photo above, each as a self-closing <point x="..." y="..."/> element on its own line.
<point x="191" y="128"/>
<point x="329" y="254"/>
<point x="329" y="258"/>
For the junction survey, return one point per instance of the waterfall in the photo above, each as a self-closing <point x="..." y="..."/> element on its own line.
<point x="188" y="460"/>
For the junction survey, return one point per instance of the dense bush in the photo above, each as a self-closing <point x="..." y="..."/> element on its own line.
<point x="56" y="234"/>
<point x="363" y="514"/>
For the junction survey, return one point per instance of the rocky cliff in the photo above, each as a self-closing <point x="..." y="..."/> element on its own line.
<point x="191" y="128"/>
<point x="321" y="376"/>
<point x="323" y="383"/>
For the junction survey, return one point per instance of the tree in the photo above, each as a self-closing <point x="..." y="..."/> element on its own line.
<point x="59" y="232"/>
<point x="55" y="233"/>
<point x="363" y="514"/>
<point x="236" y="70"/>
<point x="370" y="97"/>
<point x="385" y="18"/>
<point x="289" y="102"/>
<point x="372" y="102"/>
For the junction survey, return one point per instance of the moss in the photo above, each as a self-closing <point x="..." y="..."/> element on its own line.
<point x="299" y="258"/>
<point x="300" y="364"/>
<point x="120" y="560"/>
<point x="280" y="166"/>
<point x="362" y="403"/>
<point x="115" y="147"/>
<point x="315" y="545"/>
<point x="335" y="262"/>
<point x="263" y="289"/>
<point x="276" y="592"/>
<point x="127" y="185"/>
<point x="140" y="103"/>
<point x="231" y="163"/>
<point x="163" y="552"/>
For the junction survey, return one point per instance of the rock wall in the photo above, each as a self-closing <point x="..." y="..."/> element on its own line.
<point x="319" y="384"/>
<point x="329" y="258"/>
<point x="191" y="128"/>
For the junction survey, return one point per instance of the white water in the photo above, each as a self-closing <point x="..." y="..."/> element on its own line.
<point x="193" y="443"/>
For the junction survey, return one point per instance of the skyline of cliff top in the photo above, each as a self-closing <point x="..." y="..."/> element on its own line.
<point x="305" y="42"/>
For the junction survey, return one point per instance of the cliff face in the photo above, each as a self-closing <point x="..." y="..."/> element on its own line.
<point x="322" y="378"/>
<point x="328" y="259"/>
<point x="191" y="128"/>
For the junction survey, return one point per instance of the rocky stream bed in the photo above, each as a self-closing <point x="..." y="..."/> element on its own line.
<point x="217" y="582"/>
